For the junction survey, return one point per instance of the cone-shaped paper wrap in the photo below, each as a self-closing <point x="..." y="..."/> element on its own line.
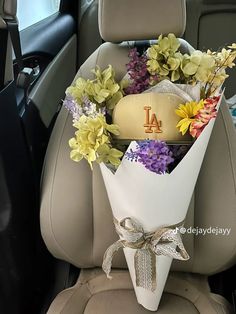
<point x="154" y="201"/>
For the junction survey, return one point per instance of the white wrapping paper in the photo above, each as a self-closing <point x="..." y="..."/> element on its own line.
<point x="155" y="201"/>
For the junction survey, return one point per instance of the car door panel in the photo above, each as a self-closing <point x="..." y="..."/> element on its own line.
<point x="26" y="269"/>
<point x="51" y="46"/>
<point x="50" y="88"/>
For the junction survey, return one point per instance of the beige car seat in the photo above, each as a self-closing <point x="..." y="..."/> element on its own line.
<point x="211" y="24"/>
<point x="76" y="219"/>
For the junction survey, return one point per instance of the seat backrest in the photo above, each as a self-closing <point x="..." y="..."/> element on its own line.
<point x="211" y="24"/>
<point x="76" y="218"/>
<point x="89" y="36"/>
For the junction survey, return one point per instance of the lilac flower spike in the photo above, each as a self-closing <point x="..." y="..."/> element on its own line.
<point x="154" y="155"/>
<point x="138" y="73"/>
<point x="71" y="105"/>
<point x="88" y="108"/>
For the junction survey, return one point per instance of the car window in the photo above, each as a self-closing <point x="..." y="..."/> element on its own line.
<point x="30" y="12"/>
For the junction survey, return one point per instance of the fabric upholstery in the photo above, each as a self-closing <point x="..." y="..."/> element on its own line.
<point x="140" y="19"/>
<point x="211" y="25"/>
<point x="213" y="35"/>
<point x="89" y="36"/>
<point x="8" y="8"/>
<point x="76" y="220"/>
<point x="94" y="293"/>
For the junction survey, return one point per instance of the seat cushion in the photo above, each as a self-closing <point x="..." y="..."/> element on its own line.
<point x="124" y="301"/>
<point x="95" y="294"/>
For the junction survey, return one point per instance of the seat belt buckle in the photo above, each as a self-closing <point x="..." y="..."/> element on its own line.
<point x="25" y="78"/>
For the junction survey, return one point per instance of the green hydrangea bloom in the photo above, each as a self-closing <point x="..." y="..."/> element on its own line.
<point x="164" y="58"/>
<point x="92" y="141"/>
<point x="103" y="90"/>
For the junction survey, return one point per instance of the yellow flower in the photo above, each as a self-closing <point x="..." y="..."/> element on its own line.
<point x="152" y="52"/>
<point x="188" y="111"/>
<point x="103" y="90"/>
<point x="184" y="125"/>
<point x="217" y="79"/>
<point x="79" y="90"/>
<point x="174" y="62"/>
<point x="153" y="66"/>
<point x="225" y="58"/>
<point x="92" y="139"/>
<point x="114" y="100"/>
<point x="233" y="46"/>
<point x="108" y="154"/>
<point x="106" y="90"/>
<point x="75" y="153"/>
<point x="163" y="58"/>
<point x="199" y="64"/>
<point x="100" y="94"/>
<point x="169" y="44"/>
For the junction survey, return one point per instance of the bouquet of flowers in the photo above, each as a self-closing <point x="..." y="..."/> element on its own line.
<point x="150" y="163"/>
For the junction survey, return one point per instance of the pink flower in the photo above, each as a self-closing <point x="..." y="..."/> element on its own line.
<point x="211" y="102"/>
<point x="196" y="128"/>
<point x="204" y="116"/>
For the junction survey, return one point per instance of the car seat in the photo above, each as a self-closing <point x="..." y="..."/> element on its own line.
<point x="211" y="25"/>
<point x="76" y="218"/>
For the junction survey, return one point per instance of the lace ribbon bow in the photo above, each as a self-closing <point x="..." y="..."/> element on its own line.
<point x="164" y="241"/>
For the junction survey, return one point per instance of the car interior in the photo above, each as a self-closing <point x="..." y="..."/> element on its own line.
<point x="55" y="216"/>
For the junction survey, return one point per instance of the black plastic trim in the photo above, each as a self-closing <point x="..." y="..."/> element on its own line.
<point x="70" y="6"/>
<point x="3" y="53"/>
<point x="18" y="218"/>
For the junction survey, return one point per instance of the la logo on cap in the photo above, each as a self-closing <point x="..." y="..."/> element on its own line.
<point x="149" y="116"/>
<point x="152" y="124"/>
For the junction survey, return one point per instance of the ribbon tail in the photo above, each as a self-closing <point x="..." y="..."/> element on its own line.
<point x="180" y="251"/>
<point x="145" y="269"/>
<point x="108" y="256"/>
<point x="172" y="247"/>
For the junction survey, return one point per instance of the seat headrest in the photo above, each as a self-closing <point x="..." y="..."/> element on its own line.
<point x="8" y="8"/>
<point x="137" y="19"/>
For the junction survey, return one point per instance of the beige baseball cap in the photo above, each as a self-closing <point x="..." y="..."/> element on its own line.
<point x="149" y="116"/>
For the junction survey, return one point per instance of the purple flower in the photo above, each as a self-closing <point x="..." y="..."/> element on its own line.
<point x="87" y="108"/>
<point x="137" y="70"/>
<point x="72" y="106"/>
<point x="154" y="155"/>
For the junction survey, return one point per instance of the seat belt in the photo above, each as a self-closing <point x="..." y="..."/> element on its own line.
<point x="3" y="55"/>
<point x="13" y="29"/>
<point x="25" y="75"/>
